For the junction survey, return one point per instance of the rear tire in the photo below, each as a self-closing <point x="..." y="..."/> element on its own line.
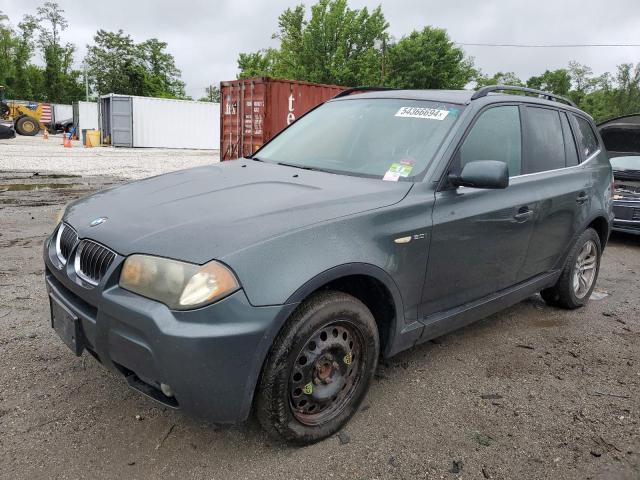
<point x="27" y="126"/>
<point x="319" y="369"/>
<point x="580" y="273"/>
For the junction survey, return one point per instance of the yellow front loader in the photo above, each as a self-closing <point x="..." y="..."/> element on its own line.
<point x="27" y="117"/>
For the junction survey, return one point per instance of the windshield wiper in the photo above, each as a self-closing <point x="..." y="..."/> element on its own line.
<point x="299" y="166"/>
<point x="253" y="157"/>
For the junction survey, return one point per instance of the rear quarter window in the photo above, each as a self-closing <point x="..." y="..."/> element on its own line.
<point x="587" y="140"/>
<point x="571" y="152"/>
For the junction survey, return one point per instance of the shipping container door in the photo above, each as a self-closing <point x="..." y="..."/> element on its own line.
<point x="76" y="117"/>
<point x="242" y="115"/>
<point x="121" y="121"/>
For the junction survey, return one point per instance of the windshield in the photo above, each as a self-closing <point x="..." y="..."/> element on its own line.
<point x="391" y="139"/>
<point x="622" y="164"/>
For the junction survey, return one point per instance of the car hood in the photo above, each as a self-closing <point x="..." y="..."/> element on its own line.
<point x="209" y="212"/>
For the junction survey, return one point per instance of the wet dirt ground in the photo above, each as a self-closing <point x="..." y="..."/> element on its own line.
<point x="530" y="393"/>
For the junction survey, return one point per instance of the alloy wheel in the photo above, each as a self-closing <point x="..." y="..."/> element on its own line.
<point x="584" y="271"/>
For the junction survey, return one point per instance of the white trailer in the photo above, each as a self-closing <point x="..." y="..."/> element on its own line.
<point x="62" y="112"/>
<point x="85" y="116"/>
<point x="131" y="121"/>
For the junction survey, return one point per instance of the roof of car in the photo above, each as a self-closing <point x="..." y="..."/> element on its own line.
<point x="449" y="96"/>
<point x="460" y="97"/>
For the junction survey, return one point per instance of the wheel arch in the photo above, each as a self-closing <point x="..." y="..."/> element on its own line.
<point x="602" y="227"/>
<point x="369" y="284"/>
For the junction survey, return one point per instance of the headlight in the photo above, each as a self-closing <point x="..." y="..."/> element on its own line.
<point x="179" y="285"/>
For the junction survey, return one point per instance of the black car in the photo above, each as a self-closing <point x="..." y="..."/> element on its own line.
<point x="376" y="222"/>
<point x="64" y="125"/>
<point x="7" y="131"/>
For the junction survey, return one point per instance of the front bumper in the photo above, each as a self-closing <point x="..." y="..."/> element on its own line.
<point x="211" y="357"/>
<point x="627" y="216"/>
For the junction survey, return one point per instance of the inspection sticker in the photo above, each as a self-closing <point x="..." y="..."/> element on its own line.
<point x="397" y="170"/>
<point x="422" y="112"/>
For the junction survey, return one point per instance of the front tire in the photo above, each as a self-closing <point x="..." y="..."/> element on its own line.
<point x="319" y="369"/>
<point x="27" y="126"/>
<point x="578" y="278"/>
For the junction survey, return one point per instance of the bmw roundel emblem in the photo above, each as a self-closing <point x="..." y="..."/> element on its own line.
<point x="98" y="221"/>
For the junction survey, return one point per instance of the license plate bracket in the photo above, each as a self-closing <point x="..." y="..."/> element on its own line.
<point x="66" y="325"/>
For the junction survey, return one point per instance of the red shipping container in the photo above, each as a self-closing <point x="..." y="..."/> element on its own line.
<point x="255" y="109"/>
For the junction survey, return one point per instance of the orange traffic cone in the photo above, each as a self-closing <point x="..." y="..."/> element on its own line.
<point x="67" y="141"/>
<point x="45" y="134"/>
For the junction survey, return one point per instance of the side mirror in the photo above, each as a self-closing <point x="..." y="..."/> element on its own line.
<point x="482" y="174"/>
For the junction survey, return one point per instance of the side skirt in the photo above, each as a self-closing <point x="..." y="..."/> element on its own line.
<point x="441" y="323"/>
<point x="444" y="322"/>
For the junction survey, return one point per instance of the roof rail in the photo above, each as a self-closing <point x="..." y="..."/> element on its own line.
<point x="484" y="91"/>
<point x="353" y="90"/>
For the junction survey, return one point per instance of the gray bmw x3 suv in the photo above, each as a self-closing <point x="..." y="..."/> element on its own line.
<point x="374" y="223"/>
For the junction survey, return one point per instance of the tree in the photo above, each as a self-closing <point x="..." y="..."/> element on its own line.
<point x="116" y="64"/>
<point x="582" y="81"/>
<point x="335" y="45"/>
<point x="500" y="78"/>
<point x="113" y="65"/>
<point x="428" y="59"/>
<point x="51" y="23"/>
<point x="24" y="47"/>
<point x="556" y="81"/>
<point x="7" y="43"/>
<point x="163" y="79"/>
<point x="259" y="64"/>
<point x="212" y="94"/>
<point x="626" y="97"/>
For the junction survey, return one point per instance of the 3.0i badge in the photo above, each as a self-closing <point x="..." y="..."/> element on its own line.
<point x="98" y="221"/>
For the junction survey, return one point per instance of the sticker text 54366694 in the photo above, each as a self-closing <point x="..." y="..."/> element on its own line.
<point x="422" y="112"/>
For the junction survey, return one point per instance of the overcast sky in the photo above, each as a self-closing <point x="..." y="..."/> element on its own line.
<point x="205" y="37"/>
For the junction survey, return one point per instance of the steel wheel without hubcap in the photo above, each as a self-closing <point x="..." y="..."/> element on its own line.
<point x="584" y="270"/>
<point x="326" y="373"/>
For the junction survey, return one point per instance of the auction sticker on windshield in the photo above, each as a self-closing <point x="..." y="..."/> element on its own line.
<point x="422" y="112"/>
<point x="397" y="170"/>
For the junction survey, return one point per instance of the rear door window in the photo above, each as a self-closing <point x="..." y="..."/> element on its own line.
<point x="544" y="142"/>
<point x="496" y="135"/>
<point x="571" y="152"/>
<point x="587" y="140"/>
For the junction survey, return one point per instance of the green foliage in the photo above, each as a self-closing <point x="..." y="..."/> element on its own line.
<point x="258" y="64"/>
<point x="500" y="78"/>
<point x="61" y="83"/>
<point x="119" y="65"/>
<point x="609" y="97"/>
<point x="113" y="65"/>
<point x="57" y="82"/>
<point x="162" y="75"/>
<point x="556" y="81"/>
<point x="116" y="64"/>
<point x="212" y="94"/>
<point x="336" y="45"/>
<point x="428" y="59"/>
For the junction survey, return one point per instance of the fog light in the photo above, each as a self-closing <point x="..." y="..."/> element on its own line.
<point x="166" y="389"/>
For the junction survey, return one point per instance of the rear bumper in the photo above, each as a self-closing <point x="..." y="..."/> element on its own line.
<point x="627" y="216"/>
<point x="210" y="357"/>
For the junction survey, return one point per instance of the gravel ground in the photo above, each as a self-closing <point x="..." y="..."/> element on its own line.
<point x="36" y="154"/>
<point x="531" y="392"/>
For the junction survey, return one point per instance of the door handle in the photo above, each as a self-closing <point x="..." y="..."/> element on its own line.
<point x="524" y="214"/>
<point x="582" y="198"/>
